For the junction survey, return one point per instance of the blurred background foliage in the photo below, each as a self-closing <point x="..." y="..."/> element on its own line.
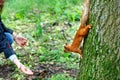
<point x="48" y="25"/>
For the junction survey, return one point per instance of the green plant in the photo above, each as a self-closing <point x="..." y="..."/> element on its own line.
<point x="38" y="29"/>
<point x="61" y="77"/>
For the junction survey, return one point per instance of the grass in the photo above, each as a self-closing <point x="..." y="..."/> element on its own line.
<point x="48" y="25"/>
<point x="61" y="77"/>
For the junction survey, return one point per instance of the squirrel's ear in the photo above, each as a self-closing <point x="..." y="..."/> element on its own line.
<point x="65" y="46"/>
<point x="66" y="43"/>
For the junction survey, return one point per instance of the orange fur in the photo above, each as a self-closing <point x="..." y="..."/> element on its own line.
<point x="81" y="33"/>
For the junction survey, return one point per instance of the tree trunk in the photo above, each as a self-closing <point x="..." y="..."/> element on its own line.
<point x="101" y="50"/>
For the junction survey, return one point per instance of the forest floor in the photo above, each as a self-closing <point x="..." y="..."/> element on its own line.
<point x="47" y="28"/>
<point x="44" y="55"/>
<point x="40" y="71"/>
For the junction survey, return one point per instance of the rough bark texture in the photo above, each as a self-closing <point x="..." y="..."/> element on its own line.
<point x="101" y="51"/>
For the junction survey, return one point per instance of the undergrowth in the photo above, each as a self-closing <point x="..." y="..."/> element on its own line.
<point x="48" y="25"/>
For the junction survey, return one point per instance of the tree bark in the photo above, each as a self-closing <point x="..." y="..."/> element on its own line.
<point x="101" y="50"/>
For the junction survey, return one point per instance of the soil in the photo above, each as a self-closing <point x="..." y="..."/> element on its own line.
<point x="5" y="70"/>
<point x="40" y="71"/>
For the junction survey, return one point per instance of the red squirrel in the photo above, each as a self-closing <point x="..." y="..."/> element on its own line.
<point x="81" y="32"/>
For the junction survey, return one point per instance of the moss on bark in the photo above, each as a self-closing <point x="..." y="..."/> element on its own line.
<point x="101" y="51"/>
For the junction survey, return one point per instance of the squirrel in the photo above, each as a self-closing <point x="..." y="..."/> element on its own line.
<point x="81" y="32"/>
